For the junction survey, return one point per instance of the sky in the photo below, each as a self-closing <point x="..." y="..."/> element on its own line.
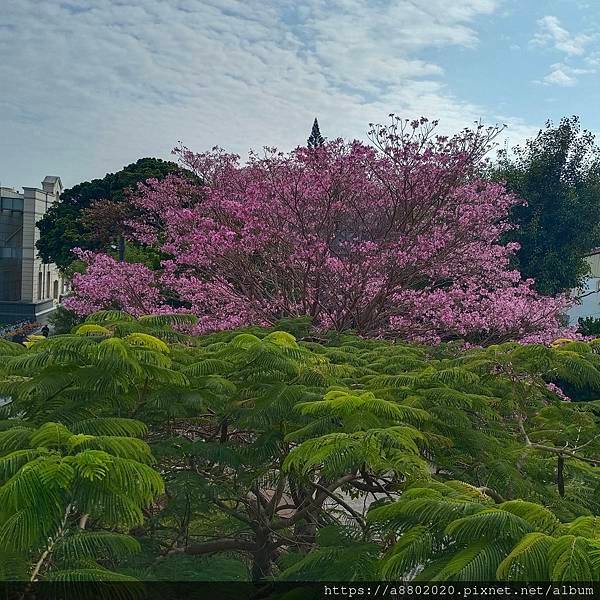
<point x="89" y="86"/>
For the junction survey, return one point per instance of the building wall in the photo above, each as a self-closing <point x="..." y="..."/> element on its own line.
<point x="38" y="277"/>
<point x="11" y="242"/>
<point x="24" y="278"/>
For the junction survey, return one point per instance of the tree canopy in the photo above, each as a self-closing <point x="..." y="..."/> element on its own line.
<point x="557" y="173"/>
<point x="64" y="225"/>
<point x="331" y="371"/>
<point x="130" y="449"/>
<point x="399" y="237"/>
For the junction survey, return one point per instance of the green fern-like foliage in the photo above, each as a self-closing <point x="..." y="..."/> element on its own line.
<point x="51" y="478"/>
<point x="448" y="533"/>
<point x="330" y="457"/>
<point x="341" y="554"/>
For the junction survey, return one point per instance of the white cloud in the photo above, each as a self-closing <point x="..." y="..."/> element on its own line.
<point x="560" y="77"/>
<point x="90" y="85"/>
<point x="550" y="33"/>
<point x="563" y="75"/>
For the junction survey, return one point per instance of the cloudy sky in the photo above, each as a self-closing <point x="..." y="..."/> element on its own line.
<point x="88" y="86"/>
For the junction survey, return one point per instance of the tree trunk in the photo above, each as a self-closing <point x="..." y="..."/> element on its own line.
<point x="223" y="432"/>
<point x="305" y="530"/>
<point x="121" y="248"/>
<point x="261" y="557"/>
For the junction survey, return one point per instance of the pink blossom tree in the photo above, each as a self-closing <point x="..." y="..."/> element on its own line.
<point x="397" y="237"/>
<point x="108" y="283"/>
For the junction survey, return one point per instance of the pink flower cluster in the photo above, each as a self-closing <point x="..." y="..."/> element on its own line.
<point x="552" y="387"/>
<point x="396" y="237"/>
<point x="109" y="284"/>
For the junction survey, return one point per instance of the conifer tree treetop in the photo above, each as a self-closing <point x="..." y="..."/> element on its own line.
<point x="315" y="139"/>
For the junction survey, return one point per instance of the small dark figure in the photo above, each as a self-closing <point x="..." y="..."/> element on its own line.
<point x="45" y="331"/>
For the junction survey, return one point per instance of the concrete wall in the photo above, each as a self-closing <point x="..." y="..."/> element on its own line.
<point x="38" y="277"/>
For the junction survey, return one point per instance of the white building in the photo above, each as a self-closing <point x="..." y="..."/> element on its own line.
<point x="29" y="288"/>
<point x="588" y="304"/>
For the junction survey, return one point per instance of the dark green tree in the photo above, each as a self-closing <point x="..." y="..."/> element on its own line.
<point x="589" y="326"/>
<point x="557" y="173"/>
<point x="315" y="139"/>
<point x="65" y="226"/>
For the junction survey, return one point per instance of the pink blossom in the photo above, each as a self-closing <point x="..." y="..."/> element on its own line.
<point x="552" y="387"/>
<point x="398" y="237"/>
<point x="108" y="283"/>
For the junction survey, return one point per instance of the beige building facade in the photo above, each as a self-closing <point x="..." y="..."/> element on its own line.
<point x="29" y="288"/>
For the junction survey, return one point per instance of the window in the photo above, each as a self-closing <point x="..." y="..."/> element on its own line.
<point x="10" y="252"/>
<point x="40" y="284"/>
<point x="55" y="290"/>
<point x="11" y="204"/>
